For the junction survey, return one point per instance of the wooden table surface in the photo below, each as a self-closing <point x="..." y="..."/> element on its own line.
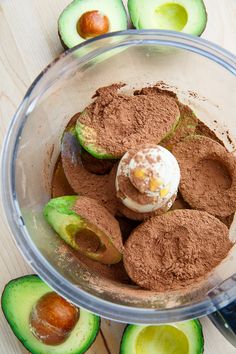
<point x="28" y="42"/>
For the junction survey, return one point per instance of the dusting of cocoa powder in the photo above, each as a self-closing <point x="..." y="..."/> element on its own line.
<point x="175" y="250"/>
<point x="123" y="122"/>
<point x="208" y="175"/>
<point x="81" y="180"/>
<point x="59" y="185"/>
<point x="203" y="129"/>
<point x="92" y="211"/>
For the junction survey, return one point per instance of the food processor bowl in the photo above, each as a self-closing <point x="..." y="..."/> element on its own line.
<point x="204" y="77"/>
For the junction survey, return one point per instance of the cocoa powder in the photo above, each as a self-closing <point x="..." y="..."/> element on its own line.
<point x="123" y="122"/>
<point x="91" y="210"/>
<point x="203" y="129"/>
<point x="81" y="180"/>
<point x="59" y="185"/>
<point x="110" y="106"/>
<point x="175" y="250"/>
<point x="208" y="175"/>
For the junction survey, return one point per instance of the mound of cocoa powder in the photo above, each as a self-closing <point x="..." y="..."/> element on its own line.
<point x="59" y="185"/>
<point x="123" y="122"/>
<point x="175" y="250"/>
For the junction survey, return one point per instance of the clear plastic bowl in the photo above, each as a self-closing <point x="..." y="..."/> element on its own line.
<point x="202" y="74"/>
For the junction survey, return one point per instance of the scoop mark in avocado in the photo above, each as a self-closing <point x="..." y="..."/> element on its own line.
<point x="179" y="338"/>
<point x="78" y="232"/>
<point x="186" y="16"/>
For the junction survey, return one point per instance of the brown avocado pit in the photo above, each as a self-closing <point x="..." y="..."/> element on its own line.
<point x="52" y="319"/>
<point x="92" y="24"/>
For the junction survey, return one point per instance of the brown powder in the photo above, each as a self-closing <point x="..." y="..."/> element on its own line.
<point x="114" y="272"/>
<point x="88" y="240"/>
<point x="82" y="175"/>
<point x="97" y="215"/>
<point x="82" y="181"/>
<point x="124" y="122"/>
<point x="203" y="129"/>
<point x="175" y="250"/>
<point x="208" y="175"/>
<point x="187" y="126"/>
<point x="59" y="184"/>
<point x="96" y="166"/>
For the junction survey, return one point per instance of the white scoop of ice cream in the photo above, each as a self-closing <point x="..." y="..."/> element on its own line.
<point x="154" y="172"/>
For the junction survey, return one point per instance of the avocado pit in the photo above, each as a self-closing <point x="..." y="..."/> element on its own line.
<point x="92" y="24"/>
<point x="52" y="319"/>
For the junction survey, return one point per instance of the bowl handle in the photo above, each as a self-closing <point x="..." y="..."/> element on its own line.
<point x="225" y="318"/>
<point x="225" y="322"/>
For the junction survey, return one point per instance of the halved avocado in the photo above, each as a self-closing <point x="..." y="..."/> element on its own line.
<point x="178" y="338"/>
<point x="180" y="15"/>
<point x="82" y="234"/>
<point x="84" y="19"/>
<point x="87" y="137"/>
<point x="19" y="298"/>
<point x="186" y="126"/>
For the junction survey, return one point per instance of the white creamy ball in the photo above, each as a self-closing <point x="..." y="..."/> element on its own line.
<point x="154" y="173"/>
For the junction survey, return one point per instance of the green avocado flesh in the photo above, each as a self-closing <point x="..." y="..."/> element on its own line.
<point x="78" y="233"/>
<point x="178" y="338"/>
<point x="88" y="140"/>
<point x="186" y="126"/>
<point x="18" y="299"/>
<point x="67" y="24"/>
<point x="178" y="15"/>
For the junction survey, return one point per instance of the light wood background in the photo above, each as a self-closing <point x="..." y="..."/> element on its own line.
<point x="28" y="42"/>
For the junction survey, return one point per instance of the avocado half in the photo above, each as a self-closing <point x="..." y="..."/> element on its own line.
<point x="83" y="19"/>
<point x="186" y="16"/>
<point x="86" y="237"/>
<point x="20" y="296"/>
<point x="178" y="338"/>
<point x="87" y="137"/>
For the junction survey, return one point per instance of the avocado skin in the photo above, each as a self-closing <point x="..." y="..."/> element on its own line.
<point x="48" y="349"/>
<point x="61" y="40"/>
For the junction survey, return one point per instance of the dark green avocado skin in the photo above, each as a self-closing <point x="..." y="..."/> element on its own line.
<point x="16" y="285"/>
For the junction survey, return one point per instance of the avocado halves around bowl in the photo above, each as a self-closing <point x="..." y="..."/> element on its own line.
<point x="188" y="16"/>
<point x="26" y="299"/>
<point x="85" y="225"/>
